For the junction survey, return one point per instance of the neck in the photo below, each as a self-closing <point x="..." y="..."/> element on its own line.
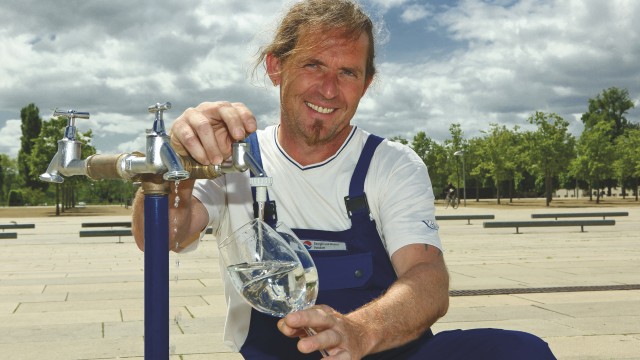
<point x="307" y="154"/>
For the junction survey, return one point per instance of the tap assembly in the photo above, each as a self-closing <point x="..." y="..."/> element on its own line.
<point x="160" y="158"/>
<point x="67" y="159"/>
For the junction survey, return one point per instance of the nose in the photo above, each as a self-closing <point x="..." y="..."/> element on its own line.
<point x="329" y="85"/>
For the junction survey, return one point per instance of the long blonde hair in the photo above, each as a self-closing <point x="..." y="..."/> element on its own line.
<point x="320" y="16"/>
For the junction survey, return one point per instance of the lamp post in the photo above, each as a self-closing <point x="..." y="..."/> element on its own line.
<point x="464" y="178"/>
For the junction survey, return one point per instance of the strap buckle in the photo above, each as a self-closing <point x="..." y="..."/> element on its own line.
<point x="356" y="204"/>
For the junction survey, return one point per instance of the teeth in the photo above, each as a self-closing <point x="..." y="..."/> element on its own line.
<point x="320" y="109"/>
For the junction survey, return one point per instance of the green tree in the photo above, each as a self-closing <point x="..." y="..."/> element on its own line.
<point x="595" y="157"/>
<point x="457" y="149"/>
<point x="549" y="149"/>
<point x="399" y="139"/>
<point x="627" y="164"/>
<point x="498" y="152"/>
<point x="432" y="154"/>
<point x="610" y="106"/>
<point x="476" y="173"/>
<point x="30" y="126"/>
<point x="9" y="178"/>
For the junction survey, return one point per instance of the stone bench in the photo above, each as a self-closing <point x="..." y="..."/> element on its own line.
<point x="546" y="223"/>
<point x="603" y="215"/>
<point x="113" y="224"/>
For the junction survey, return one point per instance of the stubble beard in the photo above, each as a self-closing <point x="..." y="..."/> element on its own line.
<point x="314" y="136"/>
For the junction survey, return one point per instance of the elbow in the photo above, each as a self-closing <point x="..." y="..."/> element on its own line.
<point x="444" y="307"/>
<point x="140" y="243"/>
<point x="443" y="304"/>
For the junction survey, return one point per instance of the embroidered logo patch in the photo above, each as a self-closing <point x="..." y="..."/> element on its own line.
<point x="317" y="245"/>
<point x="431" y="224"/>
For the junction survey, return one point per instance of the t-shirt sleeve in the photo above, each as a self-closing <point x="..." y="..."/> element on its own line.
<point x="404" y="198"/>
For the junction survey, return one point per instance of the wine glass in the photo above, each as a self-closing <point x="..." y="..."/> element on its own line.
<point x="270" y="269"/>
<point x="310" y="270"/>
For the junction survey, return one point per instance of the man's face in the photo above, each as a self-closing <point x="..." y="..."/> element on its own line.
<point x="321" y="85"/>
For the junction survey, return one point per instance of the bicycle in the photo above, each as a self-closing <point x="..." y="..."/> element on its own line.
<point x="452" y="199"/>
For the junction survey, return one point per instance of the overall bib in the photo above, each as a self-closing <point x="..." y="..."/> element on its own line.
<point x="348" y="278"/>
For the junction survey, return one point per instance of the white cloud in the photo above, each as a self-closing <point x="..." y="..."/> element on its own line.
<point x="10" y="138"/>
<point x="533" y="55"/>
<point x="497" y="62"/>
<point x="414" y="12"/>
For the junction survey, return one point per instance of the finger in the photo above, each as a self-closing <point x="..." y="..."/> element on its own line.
<point x="246" y="116"/>
<point x="192" y="132"/>
<point x="236" y="118"/>
<point x="290" y="331"/>
<point x="324" y="340"/>
<point x="317" y="317"/>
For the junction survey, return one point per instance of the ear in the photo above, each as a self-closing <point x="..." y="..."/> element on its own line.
<point x="274" y="69"/>
<point x="367" y="82"/>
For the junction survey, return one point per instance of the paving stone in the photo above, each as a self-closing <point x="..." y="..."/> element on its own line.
<point x="595" y="347"/>
<point x="63" y="297"/>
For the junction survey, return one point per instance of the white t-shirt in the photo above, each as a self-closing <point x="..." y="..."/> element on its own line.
<point x="397" y="186"/>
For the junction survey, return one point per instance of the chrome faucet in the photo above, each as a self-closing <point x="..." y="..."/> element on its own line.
<point x="67" y="159"/>
<point x="160" y="157"/>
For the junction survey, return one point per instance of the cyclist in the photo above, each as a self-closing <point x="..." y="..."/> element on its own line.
<point x="450" y="196"/>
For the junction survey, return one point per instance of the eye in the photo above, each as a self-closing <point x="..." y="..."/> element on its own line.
<point x="350" y="74"/>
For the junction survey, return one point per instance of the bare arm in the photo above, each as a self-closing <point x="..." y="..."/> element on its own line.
<point x="411" y="305"/>
<point x="207" y="133"/>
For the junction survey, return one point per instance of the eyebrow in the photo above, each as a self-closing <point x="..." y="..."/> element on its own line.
<point x="354" y="70"/>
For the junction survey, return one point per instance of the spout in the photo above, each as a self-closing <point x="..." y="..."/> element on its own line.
<point x="253" y="165"/>
<point x="175" y="170"/>
<point x="52" y="175"/>
<point x="65" y="162"/>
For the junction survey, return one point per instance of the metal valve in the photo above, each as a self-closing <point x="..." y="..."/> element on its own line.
<point x="71" y="115"/>
<point x="158" y="109"/>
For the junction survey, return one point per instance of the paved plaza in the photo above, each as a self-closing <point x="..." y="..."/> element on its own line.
<point x="66" y="297"/>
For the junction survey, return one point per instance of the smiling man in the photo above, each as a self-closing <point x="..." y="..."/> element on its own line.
<point x="364" y="206"/>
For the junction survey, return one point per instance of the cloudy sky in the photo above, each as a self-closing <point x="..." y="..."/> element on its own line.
<point x="440" y="62"/>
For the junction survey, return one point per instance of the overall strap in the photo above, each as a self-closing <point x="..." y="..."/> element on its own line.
<point x="356" y="201"/>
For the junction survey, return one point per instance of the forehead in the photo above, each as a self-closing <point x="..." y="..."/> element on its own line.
<point x="332" y="42"/>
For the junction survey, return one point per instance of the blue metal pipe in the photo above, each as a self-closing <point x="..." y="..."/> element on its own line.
<point x="156" y="277"/>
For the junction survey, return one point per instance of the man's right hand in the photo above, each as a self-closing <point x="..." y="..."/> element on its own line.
<point x="208" y="131"/>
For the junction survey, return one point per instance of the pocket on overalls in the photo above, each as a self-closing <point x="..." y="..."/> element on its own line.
<point x="344" y="272"/>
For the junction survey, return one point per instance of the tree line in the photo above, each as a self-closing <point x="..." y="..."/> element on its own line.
<point x="511" y="162"/>
<point x="502" y="162"/>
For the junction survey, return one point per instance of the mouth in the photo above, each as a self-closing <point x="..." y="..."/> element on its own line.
<point x="320" y="109"/>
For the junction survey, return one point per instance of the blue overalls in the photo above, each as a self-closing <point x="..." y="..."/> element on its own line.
<point x="349" y="279"/>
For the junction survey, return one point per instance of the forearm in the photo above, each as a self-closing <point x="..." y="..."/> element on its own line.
<point x="187" y="217"/>
<point x="409" y="307"/>
<point x="137" y="219"/>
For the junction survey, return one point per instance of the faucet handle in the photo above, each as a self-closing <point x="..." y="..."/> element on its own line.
<point x="158" y="109"/>
<point x="71" y="115"/>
